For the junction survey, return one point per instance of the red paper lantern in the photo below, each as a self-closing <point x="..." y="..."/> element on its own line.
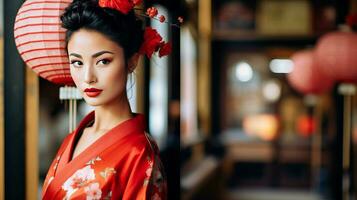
<point x="306" y="77"/>
<point x="40" y="39"/>
<point x="336" y="55"/>
<point x="306" y="125"/>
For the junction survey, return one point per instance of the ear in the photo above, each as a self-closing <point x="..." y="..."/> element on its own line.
<point x="132" y="62"/>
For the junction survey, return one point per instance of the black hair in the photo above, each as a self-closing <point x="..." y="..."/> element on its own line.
<point x="124" y="29"/>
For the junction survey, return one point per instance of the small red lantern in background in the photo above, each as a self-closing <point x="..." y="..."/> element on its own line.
<point x="306" y="125"/>
<point x="336" y="55"/>
<point x="306" y="77"/>
<point x="40" y="39"/>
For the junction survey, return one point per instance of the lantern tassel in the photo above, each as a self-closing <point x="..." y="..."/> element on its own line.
<point x="71" y="94"/>
<point x="70" y="115"/>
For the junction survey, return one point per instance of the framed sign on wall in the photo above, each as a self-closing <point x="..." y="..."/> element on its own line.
<point x="290" y="17"/>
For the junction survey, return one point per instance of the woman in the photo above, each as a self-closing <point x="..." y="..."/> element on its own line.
<point x="109" y="155"/>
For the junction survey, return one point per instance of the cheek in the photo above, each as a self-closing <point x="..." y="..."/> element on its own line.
<point x="75" y="76"/>
<point x="117" y="78"/>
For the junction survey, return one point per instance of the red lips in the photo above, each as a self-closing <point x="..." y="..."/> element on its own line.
<point x="92" y="92"/>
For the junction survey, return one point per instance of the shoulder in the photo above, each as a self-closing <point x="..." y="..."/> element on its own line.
<point x="66" y="140"/>
<point x="142" y="143"/>
<point x="147" y="141"/>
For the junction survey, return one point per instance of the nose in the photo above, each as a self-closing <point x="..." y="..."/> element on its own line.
<point x="90" y="75"/>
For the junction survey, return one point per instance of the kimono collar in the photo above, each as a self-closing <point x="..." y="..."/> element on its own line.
<point x="137" y="122"/>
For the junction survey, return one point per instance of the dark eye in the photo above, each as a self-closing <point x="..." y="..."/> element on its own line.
<point x="104" y="61"/>
<point x="76" y="63"/>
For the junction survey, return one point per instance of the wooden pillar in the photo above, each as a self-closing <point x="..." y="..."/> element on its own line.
<point x="32" y="133"/>
<point x="204" y="64"/>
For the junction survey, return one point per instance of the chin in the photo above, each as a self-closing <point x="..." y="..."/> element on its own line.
<point x="93" y="102"/>
<point x="97" y="101"/>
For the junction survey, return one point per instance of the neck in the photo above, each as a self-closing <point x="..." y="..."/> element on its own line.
<point x="109" y="115"/>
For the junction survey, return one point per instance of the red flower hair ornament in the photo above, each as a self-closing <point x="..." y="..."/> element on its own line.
<point x="123" y="6"/>
<point x="153" y="43"/>
<point x="152" y="39"/>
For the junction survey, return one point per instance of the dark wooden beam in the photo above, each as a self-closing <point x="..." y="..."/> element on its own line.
<point x="14" y="108"/>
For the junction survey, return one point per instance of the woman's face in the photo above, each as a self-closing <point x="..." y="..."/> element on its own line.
<point x="97" y="67"/>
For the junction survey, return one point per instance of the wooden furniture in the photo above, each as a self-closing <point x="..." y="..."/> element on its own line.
<point x="202" y="180"/>
<point x="242" y="150"/>
<point x="281" y="163"/>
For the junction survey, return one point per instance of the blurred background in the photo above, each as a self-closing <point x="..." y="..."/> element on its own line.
<point x="256" y="102"/>
<point x="267" y="107"/>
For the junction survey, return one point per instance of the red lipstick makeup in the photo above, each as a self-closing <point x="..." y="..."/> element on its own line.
<point x="92" y="92"/>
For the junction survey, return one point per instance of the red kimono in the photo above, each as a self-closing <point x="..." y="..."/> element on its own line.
<point x="122" y="164"/>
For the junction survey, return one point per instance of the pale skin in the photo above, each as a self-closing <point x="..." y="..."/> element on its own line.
<point x="98" y="62"/>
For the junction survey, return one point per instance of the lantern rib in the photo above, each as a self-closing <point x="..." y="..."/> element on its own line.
<point x="49" y="64"/>
<point x="38" y="41"/>
<point x="39" y="24"/>
<point x="53" y="56"/>
<point x="24" y="52"/>
<point x="52" y="70"/>
<point x="36" y="9"/>
<point x="45" y="2"/>
<point x="54" y="75"/>
<point x="33" y="17"/>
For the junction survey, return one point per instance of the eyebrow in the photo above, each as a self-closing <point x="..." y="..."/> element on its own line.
<point x="93" y="56"/>
<point x="101" y="53"/>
